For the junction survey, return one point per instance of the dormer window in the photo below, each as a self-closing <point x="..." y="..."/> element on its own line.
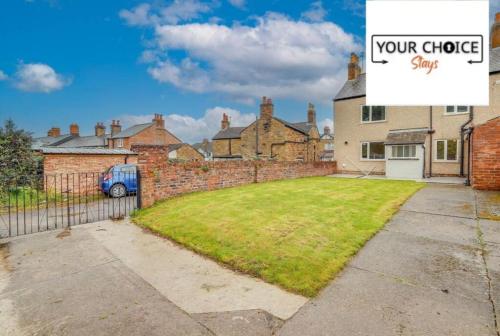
<point x="370" y="114"/>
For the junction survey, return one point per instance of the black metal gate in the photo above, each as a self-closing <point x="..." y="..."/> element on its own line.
<point x="46" y="202"/>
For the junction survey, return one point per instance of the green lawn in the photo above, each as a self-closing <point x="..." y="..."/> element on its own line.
<point x="294" y="233"/>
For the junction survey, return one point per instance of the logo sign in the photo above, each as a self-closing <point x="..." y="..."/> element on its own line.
<point x="427" y="53"/>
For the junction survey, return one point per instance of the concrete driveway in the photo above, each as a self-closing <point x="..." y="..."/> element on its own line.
<point x="434" y="270"/>
<point x="112" y="278"/>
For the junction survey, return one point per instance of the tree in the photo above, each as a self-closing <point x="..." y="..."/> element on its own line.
<point x="18" y="163"/>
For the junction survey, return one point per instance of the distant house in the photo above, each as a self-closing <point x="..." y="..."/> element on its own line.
<point x="326" y="144"/>
<point x="269" y="138"/>
<point x="184" y="152"/>
<point x="205" y="148"/>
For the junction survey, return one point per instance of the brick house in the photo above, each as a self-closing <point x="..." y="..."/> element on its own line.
<point x="410" y="142"/>
<point x="269" y="137"/>
<point x="153" y="133"/>
<point x="205" y="148"/>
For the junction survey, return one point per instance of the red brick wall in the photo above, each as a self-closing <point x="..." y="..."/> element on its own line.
<point x="486" y="156"/>
<point x="161" y="179"/>
<point x="80" y="170"/>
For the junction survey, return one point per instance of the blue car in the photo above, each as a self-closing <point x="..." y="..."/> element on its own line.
<point x="119" y="180"/>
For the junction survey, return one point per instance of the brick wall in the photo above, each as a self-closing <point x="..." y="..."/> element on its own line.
<point x="161" y="180"/>
<point x="486" y="156"/>
<point x="79" y="172"/>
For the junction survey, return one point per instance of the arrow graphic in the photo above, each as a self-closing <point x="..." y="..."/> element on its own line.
<point x="381" y="62"/>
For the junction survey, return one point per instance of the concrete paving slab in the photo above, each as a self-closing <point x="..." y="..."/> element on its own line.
<point x="194" y="283"/>
<point x="456" y="269"/>
<point x="441" y="228"/>
<point x="364" y="303"/>
<point x="488" y="204"/>
<point x="91" y="297"/>
<point x="240" y="323"/>
<point x="441" y="199"/>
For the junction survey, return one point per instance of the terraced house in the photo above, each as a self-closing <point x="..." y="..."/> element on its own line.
<point x="269" y="137"/>
<point x="410" y="142"/>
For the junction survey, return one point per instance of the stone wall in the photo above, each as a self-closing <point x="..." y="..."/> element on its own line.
<point x="486" y="156"/>
<point x="161" y="179"/>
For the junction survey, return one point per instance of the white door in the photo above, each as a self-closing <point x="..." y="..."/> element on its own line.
<point x="404" y="161"/>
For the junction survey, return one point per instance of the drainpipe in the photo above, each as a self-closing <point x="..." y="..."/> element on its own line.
<point x="423" y="170"/>
<point x="256" y="138"/>
<point x="462" y="145"/>
<point x="469" y="132"/>
<point x="431" y="131"/>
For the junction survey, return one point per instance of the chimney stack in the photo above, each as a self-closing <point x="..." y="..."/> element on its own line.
<point x="495" y="32"/>
<point x="54" y="132"/>
<point x="311" y="114"/>
<point x="266" y="108"/>
<point x="74" y="129"/>
<point x="353" y="69"/>
<point x="224" y="124"/>
<point x="158" y="120"/>
<point x="115" y="127"/>
<point x="327" y="130"/>
<point x="100" y="129"/>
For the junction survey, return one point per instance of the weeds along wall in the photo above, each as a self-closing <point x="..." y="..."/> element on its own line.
<point x="161" y="179"/>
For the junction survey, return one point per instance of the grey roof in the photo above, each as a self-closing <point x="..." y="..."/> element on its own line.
<point x="173" y="147"/>
<point x="353" y="88"/>
<point x="85" y="141"/>
<point x="200" y="145"/>
<point x="357" y="87"/>
<point x="59" y="150"/>
<point x="50" y="141"/>
<point x="495" y="60"/>
<point x="302" y="127"/>
<point x="133" y="130"/>
<point x="229" y="133"/>
<point x="406" y="137"/>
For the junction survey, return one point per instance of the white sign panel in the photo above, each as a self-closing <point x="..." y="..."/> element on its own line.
<point x="427" y="52"/>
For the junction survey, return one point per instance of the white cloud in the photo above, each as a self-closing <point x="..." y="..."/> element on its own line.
<point x="325" y="122"/>
<point x="316" y="13"/>
<point x="190" y="129"/>
<point x="278" y="57"/>
<point x="238" y="3"/>
<point x="38" y="77"/>
<point x="3" y="75"/>
<point x="177" y="11"/>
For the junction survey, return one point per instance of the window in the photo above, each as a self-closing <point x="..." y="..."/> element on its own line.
<point x="372" y="151"/>
<point x="447" y="150"/>
<point x="372" y="113"/>
<point x="404" y="151"/>
<point x="128" y="169"/>
<point x="329" y="146"/>
<point x="119" y="143"/>
<point x="457" y="109"/>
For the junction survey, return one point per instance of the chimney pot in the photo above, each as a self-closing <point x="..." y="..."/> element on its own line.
<point x="54" y="132"/>
<point x="74" y="129"/>
<point x="158" y="120"/>
<point x="224" y="124"/>
<point x="311" y="114"/>
<point x="115" y="127"/>
<point x="353" y="69"/>
<point x="495" y="32"/>
<point x="266" y="108"/>
<point x="100" y="129"/>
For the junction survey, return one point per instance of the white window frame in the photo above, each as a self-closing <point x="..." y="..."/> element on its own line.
<point x="119" y="143"/>
<point x="368" y="151"/>
<point x="446" y="150"/>
<point x="403" y="157"/>
<point x="371" y="112"/>
<point x="455" y="111"/>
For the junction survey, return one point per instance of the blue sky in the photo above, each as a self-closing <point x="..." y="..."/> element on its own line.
<point x="65" y="61"/>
